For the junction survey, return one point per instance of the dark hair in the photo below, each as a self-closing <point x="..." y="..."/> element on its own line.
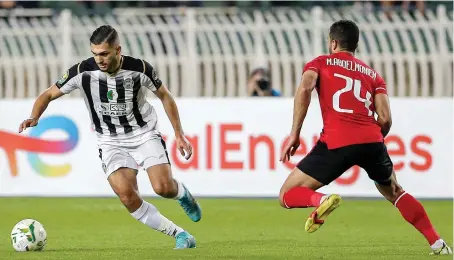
<point x="105" y="33"/>
<point x="346" y="33"/>
<point x="259" y="70"/>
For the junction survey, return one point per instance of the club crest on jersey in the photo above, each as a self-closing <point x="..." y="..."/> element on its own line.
<point x="128" y="83"/>
<point x="112" y="94"/>
<point x="64" y="77"/>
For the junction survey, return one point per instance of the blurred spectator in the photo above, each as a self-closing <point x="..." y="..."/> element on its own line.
<point x="7" y="4"/>
<point x="174" y="3"/>
<point x="365" y="7"/>
<point x="18" y="4"/>
<point x="390" y="5"/>
<point x="259" y="84"/>
<point x="27" y="4"/>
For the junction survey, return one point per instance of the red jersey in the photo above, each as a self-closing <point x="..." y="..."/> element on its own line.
<point x="346" y="88"/>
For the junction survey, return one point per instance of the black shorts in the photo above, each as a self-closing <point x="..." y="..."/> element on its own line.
<point x="327" y="165"/>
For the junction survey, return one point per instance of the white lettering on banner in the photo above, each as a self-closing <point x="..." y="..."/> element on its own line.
<point x="236" y="150"/>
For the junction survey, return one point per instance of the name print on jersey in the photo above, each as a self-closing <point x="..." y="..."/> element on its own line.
<point x="352" y="66"/>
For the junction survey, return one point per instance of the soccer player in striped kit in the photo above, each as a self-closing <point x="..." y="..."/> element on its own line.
<point x="114" y="87"/>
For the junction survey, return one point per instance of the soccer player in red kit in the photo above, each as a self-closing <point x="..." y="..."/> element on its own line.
<point x="350" y="94"/>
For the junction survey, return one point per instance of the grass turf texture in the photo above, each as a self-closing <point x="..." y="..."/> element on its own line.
<point x="89" y="228"/>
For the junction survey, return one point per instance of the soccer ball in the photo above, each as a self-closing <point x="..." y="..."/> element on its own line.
<point x="28" y="235"/>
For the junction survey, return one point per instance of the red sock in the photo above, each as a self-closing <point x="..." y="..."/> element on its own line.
<point x="302" y="197"/>
<point x="414" y="213"/>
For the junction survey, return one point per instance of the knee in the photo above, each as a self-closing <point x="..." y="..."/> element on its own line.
<point x="281" y="199"/>
<point x="281" y="202"/>
<point x="129" y="198"/>
<point x="394" y="193"/>
<point x="166" y="189"/>
<point x="398" y="191"/>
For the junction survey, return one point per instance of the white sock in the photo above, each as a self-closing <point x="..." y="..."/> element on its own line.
<point x="150" y="216"/>
<point x="180" y="193"/>
<point x="438" y="244"/>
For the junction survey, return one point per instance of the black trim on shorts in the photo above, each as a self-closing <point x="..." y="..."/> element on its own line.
<point x="165" y="148"/>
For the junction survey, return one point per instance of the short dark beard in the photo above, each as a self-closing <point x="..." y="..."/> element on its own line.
<point x="116" y="66"/>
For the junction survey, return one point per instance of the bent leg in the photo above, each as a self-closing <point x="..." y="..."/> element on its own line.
<point x="411" y="210"/>
<point x="166" y="186"/>
<point x="157" y="165"/>
<point x="320" y="167"/>
<point x="299" y="191"/>
<point x="163" y="182"/>
<point x="379" y="167"/>
<point x="124" y="183"/>
<point x="152" y="156"/>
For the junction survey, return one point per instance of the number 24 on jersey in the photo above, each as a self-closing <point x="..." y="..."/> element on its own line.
<point x="356" y="86"/>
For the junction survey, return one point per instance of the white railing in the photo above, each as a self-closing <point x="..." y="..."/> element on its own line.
<point x="209" y="52"/>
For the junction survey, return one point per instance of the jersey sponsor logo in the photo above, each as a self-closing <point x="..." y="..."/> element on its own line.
<point x="128" y="83"/>
<point x="63" y="78"/>
<point x="108" y="109"/>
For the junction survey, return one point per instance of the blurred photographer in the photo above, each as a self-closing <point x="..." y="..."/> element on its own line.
<point x="259" y="84"/>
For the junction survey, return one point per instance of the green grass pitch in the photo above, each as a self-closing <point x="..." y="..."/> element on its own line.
<point x="92" y="229"/>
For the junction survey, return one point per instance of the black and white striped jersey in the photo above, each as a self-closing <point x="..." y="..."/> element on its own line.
<point x="117" y="103"/>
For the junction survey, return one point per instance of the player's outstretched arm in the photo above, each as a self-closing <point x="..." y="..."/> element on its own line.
<point x="300" y="107"/>
<point x="172" y="113"/>
<point x="383" y="110"/>
<point x="40" y="106"/>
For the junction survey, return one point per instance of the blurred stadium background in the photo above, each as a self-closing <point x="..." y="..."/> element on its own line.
<point x="205" y="52"/>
